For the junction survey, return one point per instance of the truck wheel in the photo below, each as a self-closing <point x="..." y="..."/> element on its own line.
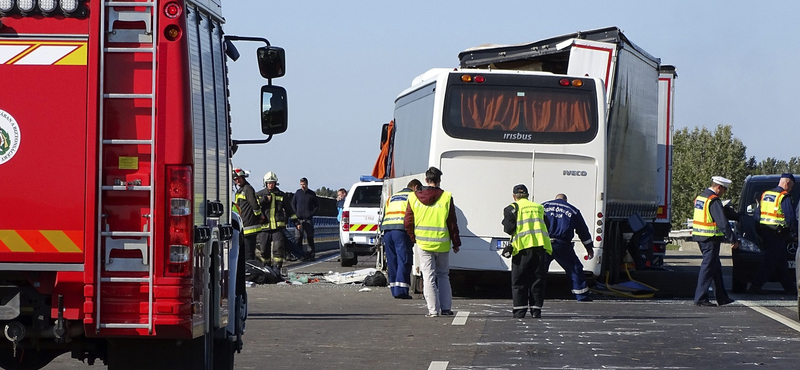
<point x="224" y="351"/>
<point x="346" y="262"/>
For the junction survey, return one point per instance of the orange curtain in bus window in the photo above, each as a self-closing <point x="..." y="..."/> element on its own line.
<point x="512" y="111"/>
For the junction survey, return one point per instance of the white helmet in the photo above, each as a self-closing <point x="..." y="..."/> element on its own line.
<point x="270" y="177"/>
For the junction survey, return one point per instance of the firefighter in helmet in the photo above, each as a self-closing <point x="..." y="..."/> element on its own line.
<point x="276" y="211"/>
<point x="249" y="211"/>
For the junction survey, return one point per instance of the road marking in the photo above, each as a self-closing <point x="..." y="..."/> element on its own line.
<point x="461" y="318"/>
<point x="772" y="315"/>
<point x="438" y="365"/>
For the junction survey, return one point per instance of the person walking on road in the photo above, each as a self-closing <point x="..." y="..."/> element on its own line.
<point x="430" y="221"/>
<point x="397" y="244"/>
<point x="564" y="220"/>
<point x="709" y="227"/>
<point x="276" y="210"/>
<point x="777" y="224"/>
<point x="525" y="221"/>
<point x="249" y="210"/>
<point x="305" y="205"/>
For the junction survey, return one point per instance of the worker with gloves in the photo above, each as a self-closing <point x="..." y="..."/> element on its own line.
<point x="275" y="211"/>
<point x="526" y="223"/>
<point x="249" y="211"/>
<point x="563" y="221"/>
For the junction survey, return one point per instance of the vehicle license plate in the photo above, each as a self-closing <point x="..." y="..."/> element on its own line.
<point x="500" y="243"/>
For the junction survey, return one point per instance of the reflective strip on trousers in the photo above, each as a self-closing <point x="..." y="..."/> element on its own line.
<point x="402" y="285"/>
<point x="580" y="291"/>
<point x="520" y="307"/>
<point x="535" y="308"/>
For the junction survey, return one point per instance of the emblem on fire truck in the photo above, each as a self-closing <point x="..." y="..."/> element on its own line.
<point x="9" y="136"/>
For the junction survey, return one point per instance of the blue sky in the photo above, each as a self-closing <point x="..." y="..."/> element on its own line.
<point x="737" y="64"/>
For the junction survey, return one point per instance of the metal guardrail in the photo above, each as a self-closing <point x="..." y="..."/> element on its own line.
<point x="326" y="229"/>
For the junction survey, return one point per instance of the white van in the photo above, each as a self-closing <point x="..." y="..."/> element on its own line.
<point x="359" y="231"/>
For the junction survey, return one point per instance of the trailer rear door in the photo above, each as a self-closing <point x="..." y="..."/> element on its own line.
<point x="43" y="149"/>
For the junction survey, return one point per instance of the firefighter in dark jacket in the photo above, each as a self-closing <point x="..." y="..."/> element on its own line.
<point x="564" y="220"/>
<point x="526" y="223"/>
<point x="276" y="211"/>
<point x="777" y="225"/>
<point x="249" y="211"/>
<point x="709" y="227"/>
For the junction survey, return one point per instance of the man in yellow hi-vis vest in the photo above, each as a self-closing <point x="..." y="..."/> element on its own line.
<point x="777" y="226"/>
<point x="709" y="226"/>
<point x="526" y="222"/>
<point x="430" y="222"/>
<point x="398" y="248"/>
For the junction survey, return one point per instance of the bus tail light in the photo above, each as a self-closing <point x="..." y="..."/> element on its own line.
<point x="345" y="220"/>
<point x="180" y="230"/>
<point x="172" y="10"/>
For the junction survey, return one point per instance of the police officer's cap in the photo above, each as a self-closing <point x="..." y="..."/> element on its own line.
<point x="719" y="180"/>
<point x="520" y="189"/>
<point x="788" y="176"/>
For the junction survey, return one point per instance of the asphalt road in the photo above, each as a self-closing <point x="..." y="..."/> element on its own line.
<point x="326" y="326"/>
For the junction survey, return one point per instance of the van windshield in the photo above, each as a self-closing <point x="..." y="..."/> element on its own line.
<point x="366" y="196"/>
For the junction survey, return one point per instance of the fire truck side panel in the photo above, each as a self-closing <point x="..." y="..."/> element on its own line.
<point x="43" y="148"/>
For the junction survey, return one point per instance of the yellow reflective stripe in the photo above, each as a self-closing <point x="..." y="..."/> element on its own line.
<point x="14" y="242"/>
<point x="60" y="241"/>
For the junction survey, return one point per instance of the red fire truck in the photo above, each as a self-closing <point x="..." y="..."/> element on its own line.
<point x="117" y="241"/>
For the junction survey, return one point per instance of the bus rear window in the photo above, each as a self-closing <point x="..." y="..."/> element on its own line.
<point x="521" y="114"/>
<point x="366" y="196"/>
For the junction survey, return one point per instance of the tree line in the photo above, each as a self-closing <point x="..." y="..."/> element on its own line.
<point x="701" y="153"/>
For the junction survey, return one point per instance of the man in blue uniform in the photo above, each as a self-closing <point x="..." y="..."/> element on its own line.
<point x="398" y="248"/>
<point x="777" y="225"/>
<point x="709" y="227"/>
<point x="564" y="220"/>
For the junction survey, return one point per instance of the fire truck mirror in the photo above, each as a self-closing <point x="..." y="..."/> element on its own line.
<point x="273" y="110"/>
<point x="271" y="61"/>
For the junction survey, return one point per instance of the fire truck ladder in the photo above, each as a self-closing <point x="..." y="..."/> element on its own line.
<point x="126" y="240"/>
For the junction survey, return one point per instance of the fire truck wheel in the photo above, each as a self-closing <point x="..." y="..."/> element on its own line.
<point x="30" y="359"/>
<point x="223" y="354"/>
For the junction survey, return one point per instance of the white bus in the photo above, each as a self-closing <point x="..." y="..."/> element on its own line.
<point x="490" y="130"/>
<point x="576" y="114"/>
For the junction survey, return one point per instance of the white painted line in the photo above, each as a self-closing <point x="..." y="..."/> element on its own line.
<point x="461" y="318"/>
<point x="438" y="365"/>
<point x="772" y="315"/>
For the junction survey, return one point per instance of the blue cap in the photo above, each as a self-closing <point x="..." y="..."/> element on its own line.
<point x="787" y="176"/>
<point x="521" y="189"/>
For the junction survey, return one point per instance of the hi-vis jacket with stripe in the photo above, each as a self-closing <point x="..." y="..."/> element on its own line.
<point x="435" y="224"/>
<point x="772" y="214"/>
<point x="276" y="210"/>
<point x="249" y="209"/>
<point x="396" y="210"/>
<point x="718" y="218"/>
<point x="526" y="223"/>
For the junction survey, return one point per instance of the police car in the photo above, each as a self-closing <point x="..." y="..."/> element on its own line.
<point x="359" y="230"/>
